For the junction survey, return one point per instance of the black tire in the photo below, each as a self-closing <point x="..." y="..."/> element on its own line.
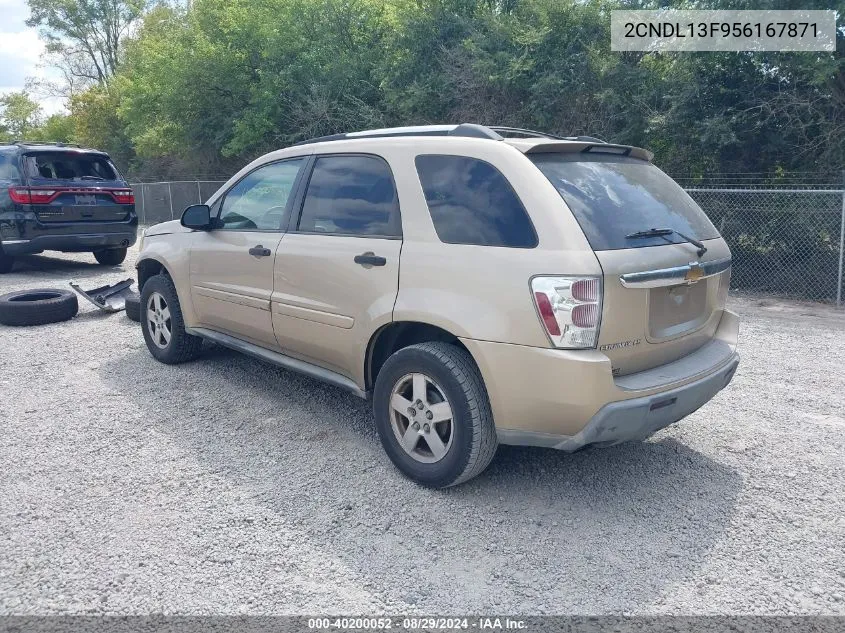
<point x="133" y="307"/>
<point x="111" y="256"/>
<point x="474" y="440"/>
<point x="7" y="262"/>
<point x="181" y="347"/>
<point x="38" y="307"/>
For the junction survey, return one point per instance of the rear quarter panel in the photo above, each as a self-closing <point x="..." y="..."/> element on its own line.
<point x="482" y="292"/>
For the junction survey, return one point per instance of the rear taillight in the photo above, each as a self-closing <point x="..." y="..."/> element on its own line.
<point x="41" y="196"/>
<point x="586" y="290"/>
<point x="569" y="308"/>
<point x="25" y="195"/>
<point x="20" y="195"/>
<point x="124" y="196"/>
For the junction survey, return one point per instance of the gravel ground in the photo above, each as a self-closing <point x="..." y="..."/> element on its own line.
<point x="231" y="486"/>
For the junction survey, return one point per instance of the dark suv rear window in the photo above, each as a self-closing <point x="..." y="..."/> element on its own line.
<point x="614" y="196"/>
<point x="69" y="166"/>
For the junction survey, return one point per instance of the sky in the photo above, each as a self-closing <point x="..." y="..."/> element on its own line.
<point x="20" y="53"/>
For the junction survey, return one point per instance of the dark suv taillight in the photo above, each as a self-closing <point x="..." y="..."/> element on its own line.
<point x="123" y="196"/>
<point x="20" y="195"/>
<point x="27" y="195"/>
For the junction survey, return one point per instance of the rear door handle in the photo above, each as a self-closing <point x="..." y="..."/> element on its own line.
<point x="260" y="251"/>
<point x="370" y="259"/>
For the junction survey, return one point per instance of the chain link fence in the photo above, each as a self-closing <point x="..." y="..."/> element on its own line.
<point x="162" y="201"/>
<point x="785" y="241"/>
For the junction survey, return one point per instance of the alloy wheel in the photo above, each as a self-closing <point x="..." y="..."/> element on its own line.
<point x="158" y="320"/>
<point x="421" y="418"/>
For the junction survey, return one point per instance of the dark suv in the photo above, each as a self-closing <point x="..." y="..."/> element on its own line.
<point x="59" y="197"/>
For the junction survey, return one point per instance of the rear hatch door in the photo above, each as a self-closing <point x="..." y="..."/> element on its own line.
<point x="76" y="186"/>
<point x="662" y="295"/>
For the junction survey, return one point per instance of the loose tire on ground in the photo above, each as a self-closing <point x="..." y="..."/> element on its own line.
<point x="133" y="307"/>
<point x="452" y="371"/>
<point x="111" y="256"/>
<point x="163" y="325"/>
<point x="38" y="307"/>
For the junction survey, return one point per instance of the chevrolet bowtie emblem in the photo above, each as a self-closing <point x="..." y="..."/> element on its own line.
<point x="694" y="273"/>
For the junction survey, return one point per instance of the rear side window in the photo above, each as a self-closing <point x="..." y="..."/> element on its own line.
<point x="471" y="202"/>
<point x="69" y="166"/>
<point x="8" y="168"/>
<point x="351" y="195"/>
<point x="613" y="196"/>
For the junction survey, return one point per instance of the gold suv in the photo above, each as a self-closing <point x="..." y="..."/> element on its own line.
<point x="480" y="285"/>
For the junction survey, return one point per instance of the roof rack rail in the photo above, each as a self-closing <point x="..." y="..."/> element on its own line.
<point x="522" y="132"/>
<point x="55" y="143"/>
<point x="473" y="130"/>
<point x="585" y="139"/>
<point x="464" y="129"/>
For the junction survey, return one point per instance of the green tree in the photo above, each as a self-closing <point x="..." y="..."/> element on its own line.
<point x="20" y="116"/>
<point x="85" y="35"/>
<point x="233" y="78"/>
<point x="57" y="127"/>
<point x="205" y="89"/>
<point x="97" y="124"/>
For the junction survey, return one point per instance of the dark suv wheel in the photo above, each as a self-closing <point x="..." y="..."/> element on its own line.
<point x="111" y="256"/>
<point x="163" y="325"/>
<point x="433" y="415"/>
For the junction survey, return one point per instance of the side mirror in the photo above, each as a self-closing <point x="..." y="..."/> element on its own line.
<point x="198" y="217"/>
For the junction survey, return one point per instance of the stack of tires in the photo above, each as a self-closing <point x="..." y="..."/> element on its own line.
<point x="50" y="305"/>
<point x="133" y="307"/>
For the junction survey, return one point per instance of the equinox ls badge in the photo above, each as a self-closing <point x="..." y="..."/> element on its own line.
<point x="621" y="344"/>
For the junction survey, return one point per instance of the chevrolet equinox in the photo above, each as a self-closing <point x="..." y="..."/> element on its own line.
<point x="480" y="285"/>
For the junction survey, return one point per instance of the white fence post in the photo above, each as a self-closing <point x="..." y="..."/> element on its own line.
<point x="841" y="245"/>
<point x="143" y="206"/>
<point x="170" y="196"/>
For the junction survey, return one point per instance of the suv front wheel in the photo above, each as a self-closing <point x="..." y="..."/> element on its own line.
<point x="433" y="415"/>
<point x="163" y="325"/>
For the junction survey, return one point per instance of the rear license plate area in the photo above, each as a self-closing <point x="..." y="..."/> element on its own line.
<point x="677" y="309"/>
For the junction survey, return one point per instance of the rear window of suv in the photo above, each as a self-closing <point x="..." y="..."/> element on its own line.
<point x="613" y="196"/>
<point x="69" y="166"/>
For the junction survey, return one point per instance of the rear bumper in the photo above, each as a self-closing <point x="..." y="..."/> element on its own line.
<point x="25" y="236"/>
<point x="634" y="419"/>
<point x="567" y="399"/>
<point x="83" y="243"/>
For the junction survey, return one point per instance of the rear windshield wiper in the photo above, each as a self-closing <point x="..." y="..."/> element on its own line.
<point x="662" y="232"/>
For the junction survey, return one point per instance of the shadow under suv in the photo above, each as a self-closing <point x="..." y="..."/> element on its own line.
<point x="63" y="198"/>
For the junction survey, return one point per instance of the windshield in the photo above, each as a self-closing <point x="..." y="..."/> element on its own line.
<point x="69" y="166"/>
<point x="614" y="196"/>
